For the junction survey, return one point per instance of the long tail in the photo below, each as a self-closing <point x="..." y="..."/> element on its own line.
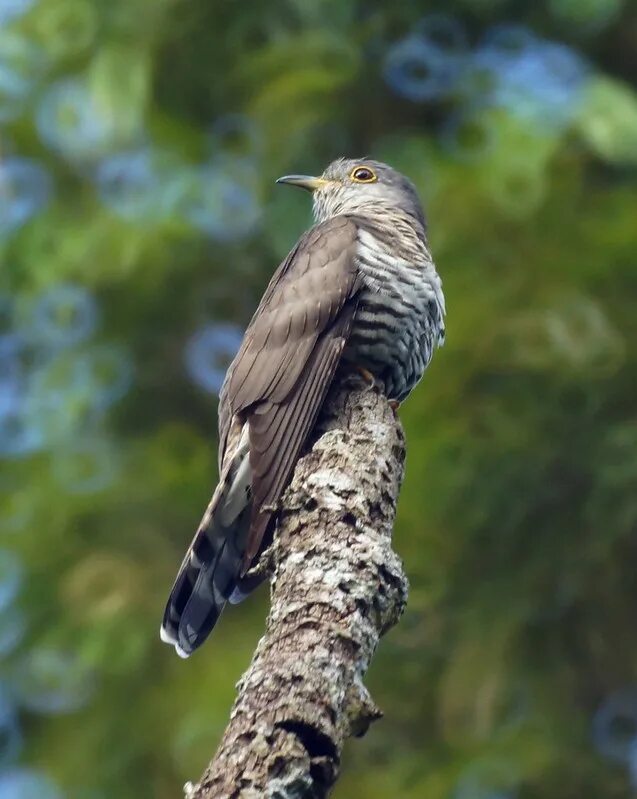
<point x="209" y="574"/>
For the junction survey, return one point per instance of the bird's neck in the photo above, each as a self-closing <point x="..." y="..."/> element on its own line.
<point x="383" y="219"/>
<point x="400" y="233"/>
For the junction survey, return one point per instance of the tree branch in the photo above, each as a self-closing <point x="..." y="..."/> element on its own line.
<point x="337" y="586"/>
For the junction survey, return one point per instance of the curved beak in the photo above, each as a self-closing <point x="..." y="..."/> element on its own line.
<point x="303" y="181"/>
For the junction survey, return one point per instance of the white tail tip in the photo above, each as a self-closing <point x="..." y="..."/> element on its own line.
<point x="168" y="639"/>
<point x="181" y="652"/>
<point x="165" y="637"/>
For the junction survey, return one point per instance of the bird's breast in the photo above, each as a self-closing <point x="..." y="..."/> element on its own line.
<point x="399" y="320"/>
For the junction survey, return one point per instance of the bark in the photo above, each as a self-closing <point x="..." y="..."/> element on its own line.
<point x="337" y="586"/>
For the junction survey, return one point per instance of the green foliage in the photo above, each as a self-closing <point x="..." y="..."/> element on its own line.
<point x="518" y="516"/>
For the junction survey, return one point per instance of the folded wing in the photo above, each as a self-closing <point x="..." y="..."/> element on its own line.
<point x="268" y="405"/>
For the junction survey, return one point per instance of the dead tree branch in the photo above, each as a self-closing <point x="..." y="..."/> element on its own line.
<point x="337" y="586"/>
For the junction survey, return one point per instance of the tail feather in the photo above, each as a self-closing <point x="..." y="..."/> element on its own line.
<point x="244" y="587"/>
<point x="210" y="570"/>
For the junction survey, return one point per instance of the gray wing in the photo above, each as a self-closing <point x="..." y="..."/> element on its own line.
<point x="286" y="363"/>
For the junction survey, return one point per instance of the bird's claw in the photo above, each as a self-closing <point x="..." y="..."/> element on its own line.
<point x="367" y="376"/>
<point x="373" y="383"/>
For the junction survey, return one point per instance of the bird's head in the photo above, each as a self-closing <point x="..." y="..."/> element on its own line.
<point x="360" y="186"/>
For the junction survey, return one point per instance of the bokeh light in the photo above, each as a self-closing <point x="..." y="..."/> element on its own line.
<point x="18" y="436"/>
<point x="10" y="372"/>
<point x="108" y="371"/>
<point x="10" y="577"/>
<point x="219" y="201"/>
<point x="85" y="467"/>
<point x="65" y="315"/>
<point x="615" y="725"/>
<point x="419" y="70"/>
<point x="12" y="629"/>
<point x="208" y="353"/>
<point x="535" y="80"/>
<point x="10" y="736"/>
<point x="71" y="121"/>
<point x="135" y="184"/>
<point x="52" y="681"/>
<point x="65" y="28"/>
<point x="236" y="136"/>
<point x="25" y="189"/>
<point x="21" y="65"/>
<point x="13" y="9"/>
<point x="27" y="784"/>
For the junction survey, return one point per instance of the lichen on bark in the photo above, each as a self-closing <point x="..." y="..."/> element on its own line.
<point x="337" y="586"/>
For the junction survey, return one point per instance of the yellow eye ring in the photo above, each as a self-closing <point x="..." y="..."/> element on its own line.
<point x="363" y="174"/>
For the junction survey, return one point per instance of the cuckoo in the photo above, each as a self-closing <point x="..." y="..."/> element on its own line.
<point x="359" y="289"/>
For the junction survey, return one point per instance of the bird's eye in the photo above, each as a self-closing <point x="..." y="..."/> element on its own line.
<point x="363" y="174"/>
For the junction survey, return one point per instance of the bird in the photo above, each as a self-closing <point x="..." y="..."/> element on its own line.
<point x="358" y="290"/>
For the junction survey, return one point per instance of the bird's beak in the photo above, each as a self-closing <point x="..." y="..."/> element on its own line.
<point x="303" y="181"/>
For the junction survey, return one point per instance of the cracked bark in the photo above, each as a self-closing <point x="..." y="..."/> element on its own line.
<point x="337" y="586"/>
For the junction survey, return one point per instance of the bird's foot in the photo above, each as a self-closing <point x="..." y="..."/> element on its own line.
<point x="367" y="376"/>
<point x="373" y="383"/>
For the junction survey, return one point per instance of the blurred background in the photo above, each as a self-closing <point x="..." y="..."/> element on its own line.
<point x="139" y="225"/>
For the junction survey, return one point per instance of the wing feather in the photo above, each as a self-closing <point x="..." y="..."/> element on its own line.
<point x="273" y="464"/>
<point x="287" y="360"/>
